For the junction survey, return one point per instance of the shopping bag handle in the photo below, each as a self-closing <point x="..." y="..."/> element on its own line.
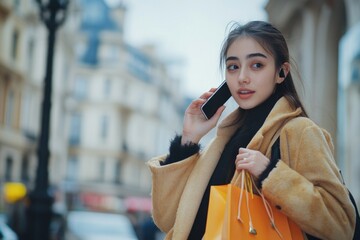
<point x="245" y="182"/>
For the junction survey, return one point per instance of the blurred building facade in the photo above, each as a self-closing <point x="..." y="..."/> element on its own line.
<point x="318" y="33"/>
<point x="113" y="105"/>
<point x="123" y="104"/>
<point x="22" y="67"/>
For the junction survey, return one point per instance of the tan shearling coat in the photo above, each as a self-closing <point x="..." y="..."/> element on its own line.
<point x="305" y="183"/>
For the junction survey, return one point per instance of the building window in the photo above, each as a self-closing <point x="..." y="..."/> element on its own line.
<point x="9" y="111"/>
<point x="80" y="88"/>
<point x="8" y="169"/>
<point x="24" y="169"/>
<point x="101" y="170"/>
<point x="30" y="60"/>
<point x="104" y="127"/>
<point x="117" y="174"/>
<point x="107" y="88"/>
<point x="355" y="72"/>
<point x="26" y="113"/>
<point x="75" y="129"/>
<point x="94" y="13"/>
<point x="72" y="168"/>
<point x="17" y="6"/>
<point x="110" y="54"/>
<point x="15" y="41"/>
<point x="139" y="64"/>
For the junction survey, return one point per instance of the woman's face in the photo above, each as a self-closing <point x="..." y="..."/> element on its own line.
<point x="250" y="72"/>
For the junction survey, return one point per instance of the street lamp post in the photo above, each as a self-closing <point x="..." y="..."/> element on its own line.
<point x="53" y="14"/>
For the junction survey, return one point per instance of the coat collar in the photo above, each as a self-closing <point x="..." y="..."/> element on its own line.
<point x="279" y="115"/>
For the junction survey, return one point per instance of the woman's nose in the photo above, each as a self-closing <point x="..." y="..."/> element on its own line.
<point x="243" y="77"/>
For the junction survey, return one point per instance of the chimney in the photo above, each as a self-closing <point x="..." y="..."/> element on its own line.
<point x="118" y="14"/>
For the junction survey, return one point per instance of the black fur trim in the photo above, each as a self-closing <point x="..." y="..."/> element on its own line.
<point x="275" y="157"/>
<point x="179" y="152"/>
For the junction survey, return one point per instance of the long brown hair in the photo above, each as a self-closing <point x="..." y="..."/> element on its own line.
<point x="273" y="41"/>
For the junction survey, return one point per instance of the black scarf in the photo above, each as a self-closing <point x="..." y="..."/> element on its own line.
<point x="225" y="169"/>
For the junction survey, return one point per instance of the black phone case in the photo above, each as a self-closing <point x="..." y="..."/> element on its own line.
<point x="216" y="100"/>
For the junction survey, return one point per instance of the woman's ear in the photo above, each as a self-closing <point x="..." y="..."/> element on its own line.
<point x="283" y="72"/>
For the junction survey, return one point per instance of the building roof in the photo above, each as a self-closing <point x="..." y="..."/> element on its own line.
<point x="96" y="17"/>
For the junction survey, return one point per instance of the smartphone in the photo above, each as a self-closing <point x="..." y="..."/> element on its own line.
<point x="216" y="100"/>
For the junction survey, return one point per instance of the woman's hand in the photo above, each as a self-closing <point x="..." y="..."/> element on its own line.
<point x="253" y="161"/>
<point x="195" y="124"/>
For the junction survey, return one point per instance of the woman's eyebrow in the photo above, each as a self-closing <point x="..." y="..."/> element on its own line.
<point x="231" y="58"/>
<point x="251" y="55"/>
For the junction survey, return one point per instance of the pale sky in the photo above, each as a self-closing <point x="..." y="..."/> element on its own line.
<point x="189" y="32"/>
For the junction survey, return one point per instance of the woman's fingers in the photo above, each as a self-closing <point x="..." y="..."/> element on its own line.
<point x="206" y="95"/>
<point x="243" y="153"/>
<point x="198" y="101"/>
<point x="253" y="161"/>
<point x="244" y="162"/>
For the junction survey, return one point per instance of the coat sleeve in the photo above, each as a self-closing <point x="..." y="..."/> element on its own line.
<point x="168" y="183"/>
<point x="307" y="187"/>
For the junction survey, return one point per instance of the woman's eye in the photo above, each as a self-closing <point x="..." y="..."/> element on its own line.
<point x="232" y="67"/>
<point x="257" y="65"/>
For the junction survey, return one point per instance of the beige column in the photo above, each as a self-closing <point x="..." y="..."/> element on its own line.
<point x="313" y="30"/>
<point x="331" y="25"/>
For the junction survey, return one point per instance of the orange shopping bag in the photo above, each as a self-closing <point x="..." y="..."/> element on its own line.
<point x="237" y="214"/>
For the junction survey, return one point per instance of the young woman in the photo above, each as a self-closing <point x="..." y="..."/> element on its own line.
<point x="304" y="184"/>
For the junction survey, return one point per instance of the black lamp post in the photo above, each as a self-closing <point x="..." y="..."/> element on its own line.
<point x="53" y="14"/>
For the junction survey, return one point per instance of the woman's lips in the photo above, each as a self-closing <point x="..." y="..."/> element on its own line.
<point x="245" y="93"/>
